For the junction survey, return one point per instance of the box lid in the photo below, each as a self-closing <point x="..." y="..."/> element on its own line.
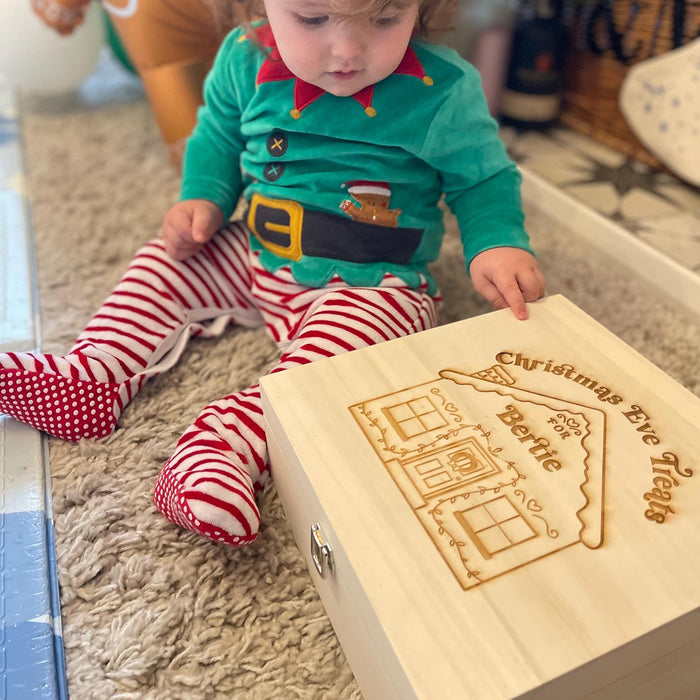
<point x="516" y="499"/>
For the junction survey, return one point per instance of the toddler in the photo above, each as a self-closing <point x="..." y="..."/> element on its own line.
<point x="342" y="128"/>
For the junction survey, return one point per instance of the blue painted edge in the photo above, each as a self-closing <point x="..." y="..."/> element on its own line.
<point x="54" y="590"/>
<point x="31" y="648"/>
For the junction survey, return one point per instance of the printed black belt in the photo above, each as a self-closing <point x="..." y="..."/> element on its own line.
<point x="289" y="230"/>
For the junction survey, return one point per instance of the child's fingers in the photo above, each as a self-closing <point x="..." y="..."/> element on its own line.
<point x="492" y="293"/>
<point x="176" y="233"/>
<point x="205" y="223"/>
<point x="508" y="277"/>
<point x="507" y="293"/>
<point x="180" y="249"/>
<point x="527" y="286"/>
<point x="532" y="284"/>
<point x="513" y="296"/>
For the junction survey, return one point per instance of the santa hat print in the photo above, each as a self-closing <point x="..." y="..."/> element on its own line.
<point x="356" y="187"/>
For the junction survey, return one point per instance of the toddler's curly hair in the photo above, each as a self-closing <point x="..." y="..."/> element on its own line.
<point x="434" y="16"/>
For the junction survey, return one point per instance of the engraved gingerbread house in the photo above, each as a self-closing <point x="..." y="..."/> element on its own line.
<point x="559" y="485"/>
<point x="498" y="476"/>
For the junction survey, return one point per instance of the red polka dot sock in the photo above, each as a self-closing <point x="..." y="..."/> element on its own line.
<point x="70" y="397"/>
<point x="209" y="483"/>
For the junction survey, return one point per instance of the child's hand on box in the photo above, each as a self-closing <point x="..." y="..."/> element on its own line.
<point x="188" y="226"/>
<point x="507" y="277"/>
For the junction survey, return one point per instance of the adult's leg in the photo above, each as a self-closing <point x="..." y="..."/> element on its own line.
<point x="140" y="330"/>
<point x="209" y="483"/>
<point x="172" y="44"/>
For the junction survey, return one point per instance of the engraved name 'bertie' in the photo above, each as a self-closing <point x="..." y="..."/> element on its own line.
<point x="540" y="449"/>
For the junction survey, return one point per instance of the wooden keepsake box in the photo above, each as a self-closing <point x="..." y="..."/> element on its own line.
<point x="498" y="509"/>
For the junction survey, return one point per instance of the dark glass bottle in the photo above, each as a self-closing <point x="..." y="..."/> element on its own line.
<point x="532" y="95"/>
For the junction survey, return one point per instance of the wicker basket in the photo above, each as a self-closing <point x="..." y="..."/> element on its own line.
<point x="608" y="37"/>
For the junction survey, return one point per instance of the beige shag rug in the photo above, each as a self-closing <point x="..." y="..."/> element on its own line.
<point x="152" y="611"/>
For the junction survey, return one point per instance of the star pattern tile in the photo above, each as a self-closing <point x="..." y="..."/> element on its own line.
<point x="654" y="206"/>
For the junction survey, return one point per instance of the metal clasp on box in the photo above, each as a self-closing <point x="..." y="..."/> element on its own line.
<point x="321" y="552"/>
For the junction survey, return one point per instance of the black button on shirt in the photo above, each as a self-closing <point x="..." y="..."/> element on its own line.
<point x="277" y="144"/>
<point x="273" y="171"/>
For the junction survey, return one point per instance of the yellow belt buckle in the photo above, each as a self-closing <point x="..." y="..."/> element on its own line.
<point x="296" y="216"/>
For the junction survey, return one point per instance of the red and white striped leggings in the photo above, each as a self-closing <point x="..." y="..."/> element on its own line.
<point x="208" y="484"/>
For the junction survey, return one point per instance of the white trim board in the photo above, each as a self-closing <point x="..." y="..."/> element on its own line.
<point x="668" y="276"/>
<point x="31" y="643"/>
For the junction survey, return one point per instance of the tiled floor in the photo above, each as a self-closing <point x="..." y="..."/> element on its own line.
<point x="653" y="207"/>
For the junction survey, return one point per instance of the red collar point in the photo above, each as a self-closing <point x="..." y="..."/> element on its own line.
<point x="274" y="69"/>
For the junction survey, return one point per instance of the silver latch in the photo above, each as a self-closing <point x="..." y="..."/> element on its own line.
<point x="321" y="552"/>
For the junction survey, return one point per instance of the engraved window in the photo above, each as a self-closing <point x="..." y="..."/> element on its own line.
<point x="495" y="526"/>
<point x="414" y="417"/>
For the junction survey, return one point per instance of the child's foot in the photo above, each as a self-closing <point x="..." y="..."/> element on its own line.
<point x="69" y="397"/>
<point x="205" y="486"/>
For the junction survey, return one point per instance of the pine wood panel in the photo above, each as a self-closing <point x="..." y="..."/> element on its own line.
<point x="513" y="509"/>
